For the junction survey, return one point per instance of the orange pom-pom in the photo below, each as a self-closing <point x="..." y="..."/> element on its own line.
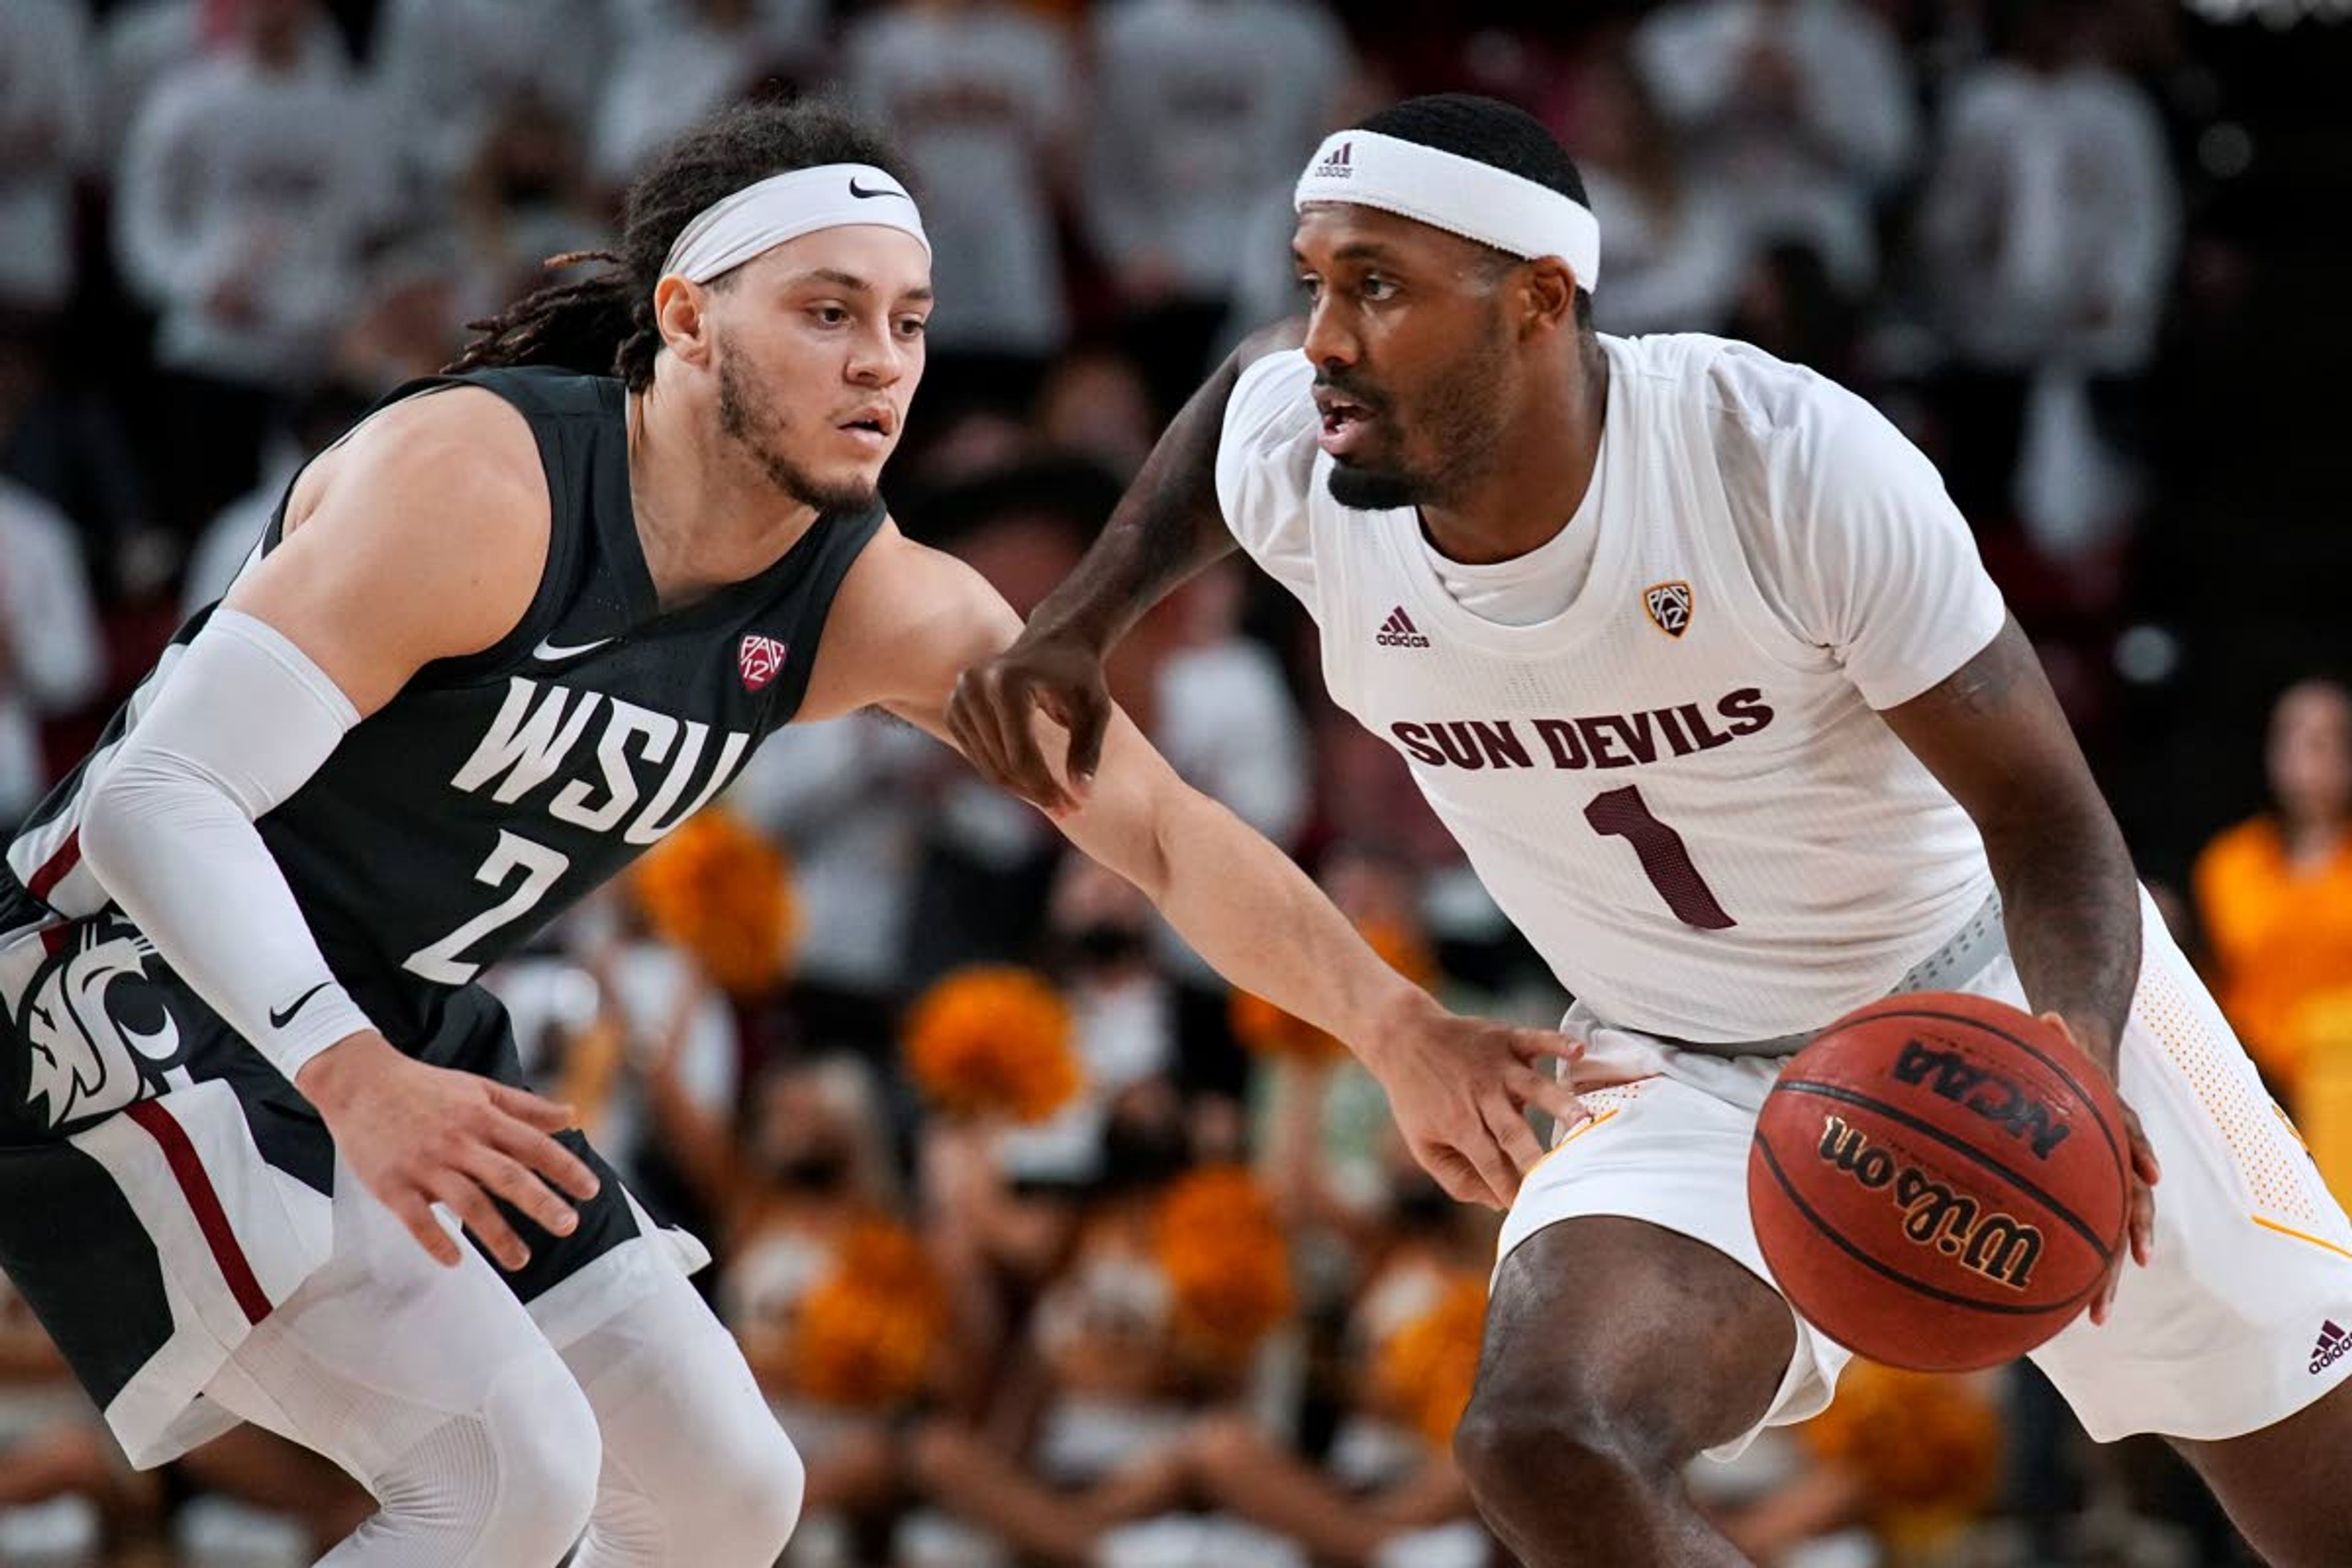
<point x="1266" y="1029"/>
<point x="724" y="893"/>
<point x="867" y="1335"/>
<point x="1228" y="1263"/>
<point x="1425" y="1369"/>
<point x="992" y="1040"/>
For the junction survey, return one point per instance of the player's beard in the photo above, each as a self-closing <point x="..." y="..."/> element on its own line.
<point x="1461" y="413"/>
<point x="748" y="414"/>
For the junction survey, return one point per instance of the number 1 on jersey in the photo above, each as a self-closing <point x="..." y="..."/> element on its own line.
<point x="1623" y="814"/>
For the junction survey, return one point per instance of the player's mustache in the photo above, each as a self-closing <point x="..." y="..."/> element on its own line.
<point x="1353" y="391"/>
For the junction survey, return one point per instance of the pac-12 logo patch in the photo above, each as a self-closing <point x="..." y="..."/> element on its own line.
<point x="1669" y="604"/>
<point x="758" y="659"/>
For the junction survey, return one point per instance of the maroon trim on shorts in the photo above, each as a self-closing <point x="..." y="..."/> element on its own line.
<point x="211" y="1218"/>
<point x="55" y="868"/>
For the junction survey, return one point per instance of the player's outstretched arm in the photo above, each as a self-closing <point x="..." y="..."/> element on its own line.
<point x="422" y="537"/>
<point x="1993" y="735"/>
<point x="1459" y="1086"/>
<point x="1167" y="527"/>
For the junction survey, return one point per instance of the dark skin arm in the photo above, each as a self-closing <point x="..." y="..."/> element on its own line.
<point x="1993" y="735"/>
<point x="1166" y="529"/>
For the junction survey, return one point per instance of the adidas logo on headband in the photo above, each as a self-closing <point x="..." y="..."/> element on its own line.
<point x="1461" y="195"/>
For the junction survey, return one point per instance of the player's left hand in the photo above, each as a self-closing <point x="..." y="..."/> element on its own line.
<point x="1460" y="1090"/>
<point x="2145" y="1173"/>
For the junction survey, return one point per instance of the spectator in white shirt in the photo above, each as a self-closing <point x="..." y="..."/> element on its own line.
<point x="1801" y="110"/>
<point x="674" y="68"/>
<point x="1204" y="112"/>
<point x="977" y="91"/>
<point x="248" y="187"/>
<point x="141" y="42"/>
<point x="448" y="69"/>
<point x="52" y="659"/>
<point x="2047" y="231"/>
<point x="44" y="111"/>
<point x="1676" y="249"/>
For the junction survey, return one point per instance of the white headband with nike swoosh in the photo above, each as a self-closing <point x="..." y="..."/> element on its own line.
<point x="731" y="231"/>
<point x="1461" y="195"/>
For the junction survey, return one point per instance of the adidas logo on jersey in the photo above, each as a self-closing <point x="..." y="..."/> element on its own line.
<point x="1397" y="631"/>
<point x="2333" y="1346"/>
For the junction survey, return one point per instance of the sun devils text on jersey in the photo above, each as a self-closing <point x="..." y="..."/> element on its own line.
<point x="1677" y="787"/>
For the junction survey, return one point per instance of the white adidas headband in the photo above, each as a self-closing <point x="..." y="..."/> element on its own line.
<point x="1458" y="194"/>
<point x="731" y="231"/>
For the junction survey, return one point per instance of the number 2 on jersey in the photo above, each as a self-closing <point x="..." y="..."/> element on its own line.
<point x="542" y="868"/>
<point x="1623" y="814"/>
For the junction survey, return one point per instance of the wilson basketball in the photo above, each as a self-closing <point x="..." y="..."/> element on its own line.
<point x="1939" y="1182"/>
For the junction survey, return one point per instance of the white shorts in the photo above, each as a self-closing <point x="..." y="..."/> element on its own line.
<point x="2226" y="1330"/>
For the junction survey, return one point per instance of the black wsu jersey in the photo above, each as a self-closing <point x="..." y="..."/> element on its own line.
<point x="495" y="789"/>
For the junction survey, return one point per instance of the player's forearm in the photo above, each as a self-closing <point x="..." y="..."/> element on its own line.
<point x="1262" y="925"/>
<point x="2071" y="904"/>
<point x="1167" y="527"/>
<point x="243" y="722"/>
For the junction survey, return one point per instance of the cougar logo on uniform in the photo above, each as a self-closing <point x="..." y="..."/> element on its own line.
<point x="88" y="1057"/>
<point x="759" y="657"/>
<point x="1669" y="604"/>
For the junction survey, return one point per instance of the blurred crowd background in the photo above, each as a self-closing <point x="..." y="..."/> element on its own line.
<point x="1047" y="1248"/>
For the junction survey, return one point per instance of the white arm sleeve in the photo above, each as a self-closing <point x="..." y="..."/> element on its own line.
<point x="1265" y="468"/>
<point x="242" y="722"/>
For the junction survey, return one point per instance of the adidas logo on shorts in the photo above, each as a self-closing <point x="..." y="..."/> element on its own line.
<point x="1397" y="631"/>
<point x="2333" y="1346"/>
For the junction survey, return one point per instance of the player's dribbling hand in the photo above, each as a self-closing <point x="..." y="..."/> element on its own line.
<point x="989" y="716"/>
<point x="1460" y="1090"/>
<point x="417" y="1135"/>
<point x="2145" y="1173"/>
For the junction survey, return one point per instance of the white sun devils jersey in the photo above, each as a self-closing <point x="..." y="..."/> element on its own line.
<point x="1678" y="787"/>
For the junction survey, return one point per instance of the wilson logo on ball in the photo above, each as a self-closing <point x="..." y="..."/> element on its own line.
<point x="2007" y="1105"/>
<point x="2000" y="1247"/>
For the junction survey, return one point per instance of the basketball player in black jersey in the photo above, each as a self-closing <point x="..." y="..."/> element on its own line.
<point x="514" y="628"/>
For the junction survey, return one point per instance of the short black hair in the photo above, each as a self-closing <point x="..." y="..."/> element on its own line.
<point x="1489" y="130"/>
<point x="1493" y="132"/>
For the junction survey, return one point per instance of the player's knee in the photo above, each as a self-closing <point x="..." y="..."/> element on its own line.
<point x="1529" y="1438"/>
<point x="756" y="1486"/>
<point x="547" y="1455"/>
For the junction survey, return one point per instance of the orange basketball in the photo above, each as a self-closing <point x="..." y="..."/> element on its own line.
<point x="1939" y="1182"/>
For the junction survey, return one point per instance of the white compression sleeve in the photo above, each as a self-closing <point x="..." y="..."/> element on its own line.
<point x="240" y="724"/>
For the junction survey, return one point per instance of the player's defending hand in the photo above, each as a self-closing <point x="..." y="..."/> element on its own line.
<point x="1460" y="1090"/>
<point x="988" y="714"/>
<point x="417" y="1135"/>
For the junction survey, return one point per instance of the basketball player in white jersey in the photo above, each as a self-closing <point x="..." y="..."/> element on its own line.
<point x="1692" y="654"/>
<point x="509" y="632"/>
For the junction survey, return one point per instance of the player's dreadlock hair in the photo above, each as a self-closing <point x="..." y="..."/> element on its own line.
<point x="605" y="324"/>
<point x="1495" y="133"/>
